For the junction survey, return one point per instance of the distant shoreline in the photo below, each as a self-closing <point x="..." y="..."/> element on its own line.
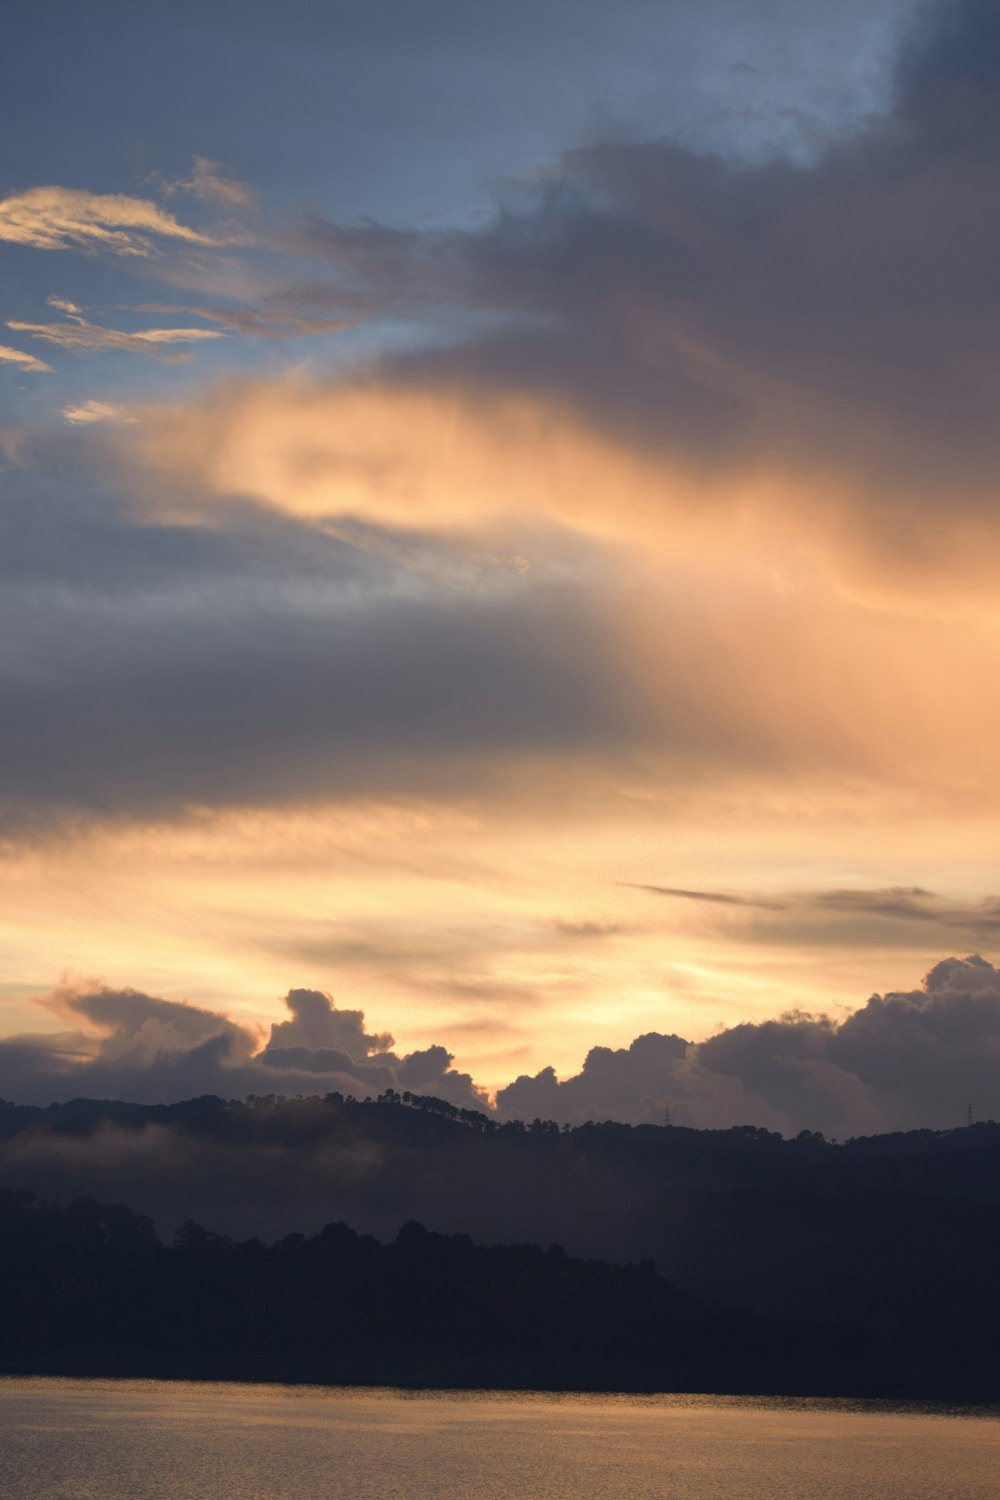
<point x="917" y="1405"/>
<point x="876" y="1387"/>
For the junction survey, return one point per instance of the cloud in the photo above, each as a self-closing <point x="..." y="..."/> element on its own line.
<point x="264" y="322"/>
<point x="265" y="663"/>
<point x="79" y="336"/>
<point x="24" y="361"/>
<point x="904" y="1061"/>
<point x="890" y="916"/>
<point x="90" y="412"/>
<point x="316" y="1023"/>
<point x="208" y="182"/>
<point x="140" y="1047"/>
<point x="383" y="698"/>
<point x="717" y="898"/>
<point x="335" y="646"/>
<point x="590" y="930"/>
<point x="913" y="904"/>
<point x="812" y="341"/>
<point x="57" y="218"/>
<point x="612" y="1081"/>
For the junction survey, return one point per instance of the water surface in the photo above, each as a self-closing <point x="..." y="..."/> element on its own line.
<point x="159" y="1440"/>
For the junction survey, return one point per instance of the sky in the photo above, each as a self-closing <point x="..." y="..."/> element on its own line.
<point x="498" y="528"/>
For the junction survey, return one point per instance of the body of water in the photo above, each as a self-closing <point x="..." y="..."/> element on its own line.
<point x="159" y="1440"/>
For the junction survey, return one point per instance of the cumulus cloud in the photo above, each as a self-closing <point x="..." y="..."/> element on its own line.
<point x="79" y="336"/>
<point x="904" y="1061"/>
<point x="140" y="1047"/>
<point x="89" y="412"/>
<point x="316" y="1024"/>
<point x="609" y="1077"/>
<point x="58" y="218"/>
<point x="23" y="361"/>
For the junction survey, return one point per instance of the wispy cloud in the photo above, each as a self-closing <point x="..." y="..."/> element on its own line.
<point x="57" y="218"/>
<point x="718" y="898"/>
<point x="851" y="912"/>
<point x="97" y="411"/>
<point x="77" y="335"/>
<point x="914" y="904"/>
<point x="267" y="323"/>
<point x="25" y="361"/>
<point x="208" y="182"/>
<point x="64" y="306"/>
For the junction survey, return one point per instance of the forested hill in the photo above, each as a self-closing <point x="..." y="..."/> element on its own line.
<point x="89" y="1289"/>
<point x="895" y="1236"/>
<point x="420" y="1130"/>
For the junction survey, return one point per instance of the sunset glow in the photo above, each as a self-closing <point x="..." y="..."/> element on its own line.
<point x="536" y="599"/>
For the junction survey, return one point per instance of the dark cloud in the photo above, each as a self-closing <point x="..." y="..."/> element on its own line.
<point x="611" y="1081"/>
<point x="947" y="75"/>
<point x="913" y="904"/>
<point x="152" y="667"/>
<point x="930" y="1051"/>
<point x="316" y="1023"/>
<point x="421" y="1071"/>
<point x="903" y="1061"/>
<point x="718" y="898"/>
<point x="154" y="710"/>
<point x="899" y="901"/>
<point x="69" y="522"/>
<point x="741" y="313"/>
<point x="687" y="298"/>
<point x="895" y="915"/>
<point x="160" y="667"/>
<point x="152" y="1051"/>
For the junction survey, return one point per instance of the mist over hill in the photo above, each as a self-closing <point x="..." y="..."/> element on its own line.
<point x="799" y="1228"/>
<point x="768" y="1263"/>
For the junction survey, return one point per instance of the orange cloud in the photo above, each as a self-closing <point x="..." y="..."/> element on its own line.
<point x="58" y="218"/>
<point x="86" y="413"/>
<point x="744" y="638"/>
<point x="10" y="356"/>
<point x="432" y="458"/>
<point x="77" y="335"/>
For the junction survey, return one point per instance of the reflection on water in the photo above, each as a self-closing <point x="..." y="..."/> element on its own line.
<point x="158" y="1440"/>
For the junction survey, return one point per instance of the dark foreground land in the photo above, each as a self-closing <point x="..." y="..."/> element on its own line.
<point x="868" y="1269"/>
<point x="89" y="1289"/>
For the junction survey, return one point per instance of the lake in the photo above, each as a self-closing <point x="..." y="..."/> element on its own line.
<point x="159" y="1440"/>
